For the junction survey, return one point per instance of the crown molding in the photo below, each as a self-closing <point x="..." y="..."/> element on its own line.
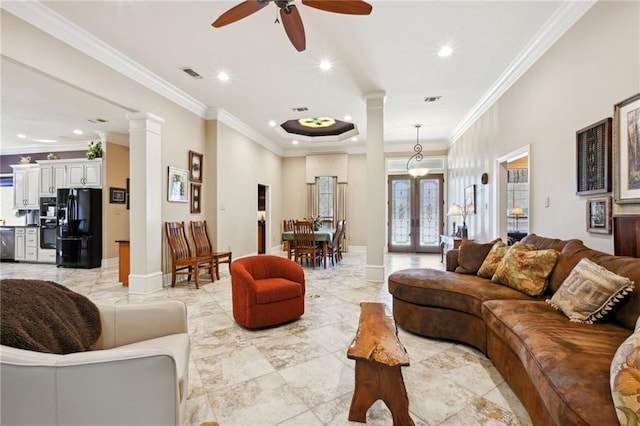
<point x="556" y="26"/>
<point x="54" y="24"/>
<point x="240" y="127"/>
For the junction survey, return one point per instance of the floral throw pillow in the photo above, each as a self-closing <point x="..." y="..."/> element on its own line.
<point x="625" y="380"/>
<point x="526" y="270"/>
<point x="490" y="263"/>
<point x="590" y="292"/>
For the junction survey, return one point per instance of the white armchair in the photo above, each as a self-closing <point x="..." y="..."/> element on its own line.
<point x="137" y="373"/>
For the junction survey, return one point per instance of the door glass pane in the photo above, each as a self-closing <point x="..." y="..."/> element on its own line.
<point x="429" y="212"/>
<point x="401" y="212"/>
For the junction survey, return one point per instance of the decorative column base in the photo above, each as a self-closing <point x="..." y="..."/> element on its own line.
<point x="145" y="284"/>
<point x="374" y="273"/>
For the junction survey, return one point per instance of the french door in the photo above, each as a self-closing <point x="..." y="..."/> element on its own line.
<point x="415" y="213"/>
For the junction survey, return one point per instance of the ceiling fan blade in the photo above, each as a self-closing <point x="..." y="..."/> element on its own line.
<point x="292" y="24"/>
<point x="349" y="7"/>
<point x="238" y="12"/>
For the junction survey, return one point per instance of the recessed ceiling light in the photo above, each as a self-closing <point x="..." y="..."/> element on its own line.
<point x="347" y="118"/>
<point x="354" y="139"/>
<point x="325" y="65"/>
<point x="45" y="140"/>
<point x="295" y="142"/>
<point x="445" y="51"/>
<point x="77" y="131"/>
<point x="272" y="123"/>
<point x="21" y="136"/>
<point x="223" y="76"/>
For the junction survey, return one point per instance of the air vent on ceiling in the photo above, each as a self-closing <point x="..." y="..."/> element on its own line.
<point x="300" y="109"/>
<point x="191" y="72"/>
<point x="97" y="120"/>
<point x="432" y="98"/>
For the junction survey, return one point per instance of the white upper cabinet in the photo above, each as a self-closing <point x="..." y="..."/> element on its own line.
<point x="26" y="193"/>
<point x="85" y="173"/>
<point x="53" y="175"/>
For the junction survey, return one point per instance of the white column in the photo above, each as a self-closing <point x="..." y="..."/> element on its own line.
<point x="375" y="187"/>
<point x="145" y="217"/>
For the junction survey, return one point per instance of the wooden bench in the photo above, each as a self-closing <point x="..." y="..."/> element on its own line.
<point x="379" y="355"/>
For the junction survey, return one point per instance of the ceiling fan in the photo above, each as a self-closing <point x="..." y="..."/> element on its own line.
<point x="290" y="16"/>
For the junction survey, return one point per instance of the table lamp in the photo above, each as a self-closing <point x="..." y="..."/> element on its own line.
<point x="517" y="212"/>
<point x="454" y="210"/>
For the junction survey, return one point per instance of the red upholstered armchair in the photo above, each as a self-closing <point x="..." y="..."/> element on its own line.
<point x="266" y="290"/>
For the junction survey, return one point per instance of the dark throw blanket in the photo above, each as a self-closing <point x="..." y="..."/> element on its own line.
<point x="43" y="316"/>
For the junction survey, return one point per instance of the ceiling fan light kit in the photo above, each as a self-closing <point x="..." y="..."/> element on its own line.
<point x="291" y="20"/>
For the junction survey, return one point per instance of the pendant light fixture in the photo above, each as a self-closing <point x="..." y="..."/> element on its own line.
<point x="416" y="168"/>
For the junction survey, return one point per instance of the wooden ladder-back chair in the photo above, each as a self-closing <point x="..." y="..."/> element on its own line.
<point x="306" y="245"/>
<point x="203" y="246"/>
<point x="287" y="226"/>
<point x="341" y="243"/>
<point x="334" y="250"/>
<point x="181" y="258"/>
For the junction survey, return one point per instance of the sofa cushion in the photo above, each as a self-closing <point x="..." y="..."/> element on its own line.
<point x="490" y="263"/>
<point x="471" y="255"/>
<point x="447" y="290"/>
<point x="44" y="316"/>
<point x="544" y="243"/>
<point x="526" y="270"/>
<point x="567" y="362"/>
<point x="271" y="290"/>
<point x="590" y="292"/>
<point x="625" y="380"/>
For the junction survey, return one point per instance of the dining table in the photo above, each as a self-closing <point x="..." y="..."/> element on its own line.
<point x="324" y="236"/>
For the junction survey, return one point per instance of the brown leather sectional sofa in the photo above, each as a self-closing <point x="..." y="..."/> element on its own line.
<point x="557" y="368"/>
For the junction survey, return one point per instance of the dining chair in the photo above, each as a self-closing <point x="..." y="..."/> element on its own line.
<point x="334" y="250"/>
<point x="287" y="226"/>
<point x="306" y="245"/>
<point x="202" y="243"/>
<point x="182" y="262"/>
<point x="341" y="237"/>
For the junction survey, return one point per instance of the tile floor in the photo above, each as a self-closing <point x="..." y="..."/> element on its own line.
<point x="298" y="373"/>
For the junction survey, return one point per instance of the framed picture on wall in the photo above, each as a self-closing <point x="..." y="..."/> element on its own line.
<point x="599" y="215"/>
<point x="195" y="166"/>
<point x="626" y="135"/>
<point x="177" y="189"/>
<point x="196" y="192"/>
<point x="117" y="196"/>
<point x="470" y="199"/>
<point x="593" y="158"/>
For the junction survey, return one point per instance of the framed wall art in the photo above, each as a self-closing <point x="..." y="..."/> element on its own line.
<point x="196" y="191"/>
<point x="626" y="148"/>
<point x="195" y="166"/>
<point x="177" y="185"/>
<point x="470" y="199"/>
<point x="599" y="215"/>
<point x="117" y="196"/>
<point x="593" y="158"/>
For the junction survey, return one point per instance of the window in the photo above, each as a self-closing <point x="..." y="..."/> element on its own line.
<point x="326" y="196"/>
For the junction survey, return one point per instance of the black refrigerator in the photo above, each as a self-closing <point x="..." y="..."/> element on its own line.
<point x="79" y="240"/>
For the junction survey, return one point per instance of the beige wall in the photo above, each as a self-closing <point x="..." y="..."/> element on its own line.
<point x="115" y="216"/>
<point x="576" y="83"/>
<point x="242" y="165"/>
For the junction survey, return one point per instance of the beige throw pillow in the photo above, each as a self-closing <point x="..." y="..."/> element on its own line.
<point x="490" y="263"/>
<point x="625" y="380"/>
<point x="525" y="269"/>
<point x="590" y="292"/>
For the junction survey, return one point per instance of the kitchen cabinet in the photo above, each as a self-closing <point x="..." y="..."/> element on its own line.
<point x="85" y="174"/>
<point x="31" y="244"/>
<point x="26" y="193"/>
<point x="26" y="243"/>
<point x="20" y="243"/>
<point x="53" y="175"/>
